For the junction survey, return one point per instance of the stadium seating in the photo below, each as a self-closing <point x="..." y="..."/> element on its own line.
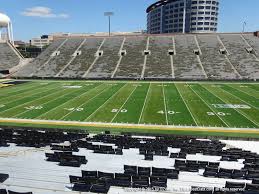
<point x="158" y="64"/>
<point x="3" y="177"/>
<point x="129" y="68"/>
<point x="253" y="41"/>
<point x="216" y="65"/>
<point x="13" y="192"/>
<point x="161" y="57"/>
<point x="37" y="63"/>
<point x="105" y="65"/>
<point x="186" y="63"/>
<point x="79" y="66"/>
<point x="57" y="62"/>
<point x="8" y="58"/>
<point x="245" y="63"/>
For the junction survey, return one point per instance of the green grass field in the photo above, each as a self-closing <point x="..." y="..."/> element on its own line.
<point x="229" y="105"/>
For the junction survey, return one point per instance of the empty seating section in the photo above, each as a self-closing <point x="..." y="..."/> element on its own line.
<point x="32" y="67"/>
<point x="253" y="41"/>
<point x="244" y="62"/>
<point x="8" y="57"/>
<point x="216" y="65"/>
<point x="57" y="62"/>
<point x="81" y="63"/>
<point x="131" y="65"/>
<point x="158" y="63"/>
<point x="106" y="64"/>
<point x="186" y="64"/>
<point x="123" y="57"/>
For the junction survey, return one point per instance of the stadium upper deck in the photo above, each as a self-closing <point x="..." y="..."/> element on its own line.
<point x="163" y="57"/>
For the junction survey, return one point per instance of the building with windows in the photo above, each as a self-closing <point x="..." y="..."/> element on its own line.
<point x="182" y="16"/>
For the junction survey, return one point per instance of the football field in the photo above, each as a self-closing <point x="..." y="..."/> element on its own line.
<point x="228" y="105"/>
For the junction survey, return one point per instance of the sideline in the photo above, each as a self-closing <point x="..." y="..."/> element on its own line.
<point x="130" y="126"/>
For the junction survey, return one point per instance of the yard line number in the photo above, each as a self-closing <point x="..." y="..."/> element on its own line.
<point x="218" y="113"/>
<point x="74" y="109"/>
<point x="118" y="110"/>
<point x="33" y="107"/>
<point x="170" y="112"/>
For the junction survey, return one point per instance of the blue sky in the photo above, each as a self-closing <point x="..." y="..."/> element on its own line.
<point x="32" y="18"/>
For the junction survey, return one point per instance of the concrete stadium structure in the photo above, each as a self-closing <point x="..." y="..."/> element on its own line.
<point x="187" y="16"/>
<point x="160" y="57"/>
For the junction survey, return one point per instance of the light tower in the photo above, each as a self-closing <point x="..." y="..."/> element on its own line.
<point x="109" y="14"/>
<point x="6" y="28"/>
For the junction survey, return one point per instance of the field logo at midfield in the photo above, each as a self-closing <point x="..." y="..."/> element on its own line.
<point x="234" y="106"/>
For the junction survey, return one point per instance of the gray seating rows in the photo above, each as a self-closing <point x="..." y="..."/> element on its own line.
<point x="132" y="63"/>
<point x="55" y="65"/>
<point x="244" y="62"/>
<point x="253" y="41"/>
<point x="8" y="57"/>
<point x="106" y="64"/>
<point x="159" y="63"/>
<point x="216" y="65"/>
<point x="183" y="62"/>
<point x="28" y="70"/>
<point x="81" y="63"/>
<point x="186" y="64"/>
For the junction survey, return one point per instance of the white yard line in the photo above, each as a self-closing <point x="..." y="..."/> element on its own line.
<point x="187" y="106"/>
<point x="126" y="125"/>
<point x="144" y="105"/>
<point x="165" y="105"/>
<point x="18" y="96"/>
<point x="209" y="106"/>
<point x="237" y="110"/>
<point x="239" y="98"/>
<point x="29" y="101"/>
<point x="105" y="102"/>
<point x="124" y="104"/>
<point x="49" y="100"/>
<point x="68" y="101"/>
<point x="243" y="92"/>
<point x="99" y="93"/>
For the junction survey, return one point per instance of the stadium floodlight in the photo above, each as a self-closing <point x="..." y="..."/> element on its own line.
<point x="109" y="14"/>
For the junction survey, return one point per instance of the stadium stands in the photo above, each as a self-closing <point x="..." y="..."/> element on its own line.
<point x="217" y="65"/>
<point x="175" y="57"/>
<point x="79" y="66"/>
<point x="53" y="66"/>
<point x="44" y="57"/>
<point x="186" y="62"/>
<point x="8" y="57"/>
<point x="129" y="68"/>
<point x="105" y="64"/>
<point x="245" y="63"/>
<point x="159" y="62"/>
